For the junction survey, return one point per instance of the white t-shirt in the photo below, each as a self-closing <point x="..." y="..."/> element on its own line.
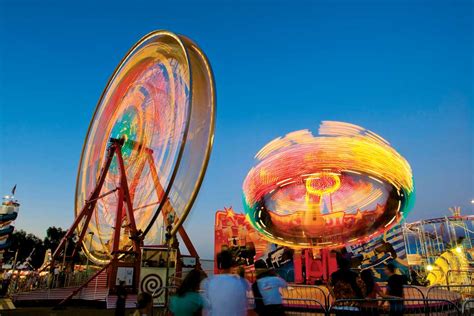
<point x="225" y="295"/>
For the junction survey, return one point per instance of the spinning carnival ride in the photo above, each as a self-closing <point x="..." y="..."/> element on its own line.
<point x="343" y="187"/>
<point x="145" y="153"/>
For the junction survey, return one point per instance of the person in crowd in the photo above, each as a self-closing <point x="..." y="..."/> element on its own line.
<point x="344" y="285"/>
<point x="266" y="291"/>
<point x="121" y="299"/>
<point x="144" y="305"/>
<point x="225" y="293"/>
<point x="394" y="290"/>
<point x="343" y="282"/>
<point x="344" y="254"/>
<point x="187" y="301"/>
<point x="370" y="291"/>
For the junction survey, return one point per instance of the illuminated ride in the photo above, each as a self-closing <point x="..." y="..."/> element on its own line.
<point x="441" y="249"/>
<point x="145" y="154"/>
<point x="450" y="268"/>
<point x="342" y="187"/>
<point x="8" y="213"/>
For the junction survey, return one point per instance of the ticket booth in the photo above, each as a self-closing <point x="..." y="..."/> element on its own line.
<point x="154" y="271"/>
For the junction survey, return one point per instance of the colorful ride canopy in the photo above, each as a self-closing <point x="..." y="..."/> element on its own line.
<point x="161" y="101"/>
<point x="342" y="187"/>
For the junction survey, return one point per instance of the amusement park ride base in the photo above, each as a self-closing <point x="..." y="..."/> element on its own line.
<point x="125" y="198"/>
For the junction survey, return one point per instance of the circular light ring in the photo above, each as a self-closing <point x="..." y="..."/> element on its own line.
<point x="161" y="100"/>
<point x="323" y="177"/>
<point x="342" y="187"/>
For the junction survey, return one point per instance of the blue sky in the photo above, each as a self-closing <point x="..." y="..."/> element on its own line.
<point x="402" y="69"/>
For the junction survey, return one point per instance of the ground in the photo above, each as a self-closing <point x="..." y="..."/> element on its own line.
<point x="72" y="311"/>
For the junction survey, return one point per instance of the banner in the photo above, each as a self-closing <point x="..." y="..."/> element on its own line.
<point x="234" y="232"/>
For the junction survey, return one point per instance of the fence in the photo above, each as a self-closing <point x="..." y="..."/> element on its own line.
<point x="303" y="299"/>
<point x="34" y="281"/>
<point x="312" y="292"/>
<point x="394" y="307"/>
<point x="373" y="307"/>
<point x="468" y="307"/>
<point x="451" y="292"/>
<point x="293" y="305"/>
<point x="417" y="300"/>
<point x="460" y="277"/>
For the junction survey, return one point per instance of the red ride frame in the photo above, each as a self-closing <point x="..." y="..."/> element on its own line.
<point x="124" y="196"/>
<point x="115" y="148"/>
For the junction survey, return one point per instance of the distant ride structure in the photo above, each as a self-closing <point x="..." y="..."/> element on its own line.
<point x="442" y="248"/>
<point x="8" y="213"/>
<point x="342" y="187"/>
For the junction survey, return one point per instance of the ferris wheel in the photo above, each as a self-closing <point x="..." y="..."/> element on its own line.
<point x="146" y="149"/>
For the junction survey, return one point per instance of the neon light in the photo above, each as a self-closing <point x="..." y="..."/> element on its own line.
<point x="323" y="183"/>
<point x="375" y="179"/>
<point x="391" y="221"/>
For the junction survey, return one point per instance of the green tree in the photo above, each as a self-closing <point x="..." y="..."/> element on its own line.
<point x="26" y="244"/>
<point x="53" y="238"/>
<point x="54" y="235"/>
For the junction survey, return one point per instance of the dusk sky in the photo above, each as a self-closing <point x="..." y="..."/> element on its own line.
<point x="402" y="69"/>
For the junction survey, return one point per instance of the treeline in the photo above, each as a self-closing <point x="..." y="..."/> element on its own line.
<point x="26" y="244"/>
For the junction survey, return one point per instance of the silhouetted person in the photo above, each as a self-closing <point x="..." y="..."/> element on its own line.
<point x="344" y="281"/>
<point x="394" y="290"/>
<point x="370" y="291"/>
<point x="121" y="299"/>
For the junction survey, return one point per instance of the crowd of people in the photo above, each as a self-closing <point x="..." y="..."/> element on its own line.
<point x="227" y="293"/>
<point x="346" y="284"/>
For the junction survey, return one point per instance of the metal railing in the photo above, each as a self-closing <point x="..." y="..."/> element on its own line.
<point x="468" y="307"/>
<point x="296" y="306"/>
<point x="301" y="306"/>
<point x="450" y="292"/>
<point x="394" y="307"/>
<point x="33" y="281"/>
<point x="409" y="291"/>
<point x="460" y="277"/>
<point x="412" y="291"/>
<point x="312" y="292"/>
<point x="383" y="306"/>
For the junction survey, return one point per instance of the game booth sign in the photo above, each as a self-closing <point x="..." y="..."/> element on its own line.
<point x="233" y="232"/>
